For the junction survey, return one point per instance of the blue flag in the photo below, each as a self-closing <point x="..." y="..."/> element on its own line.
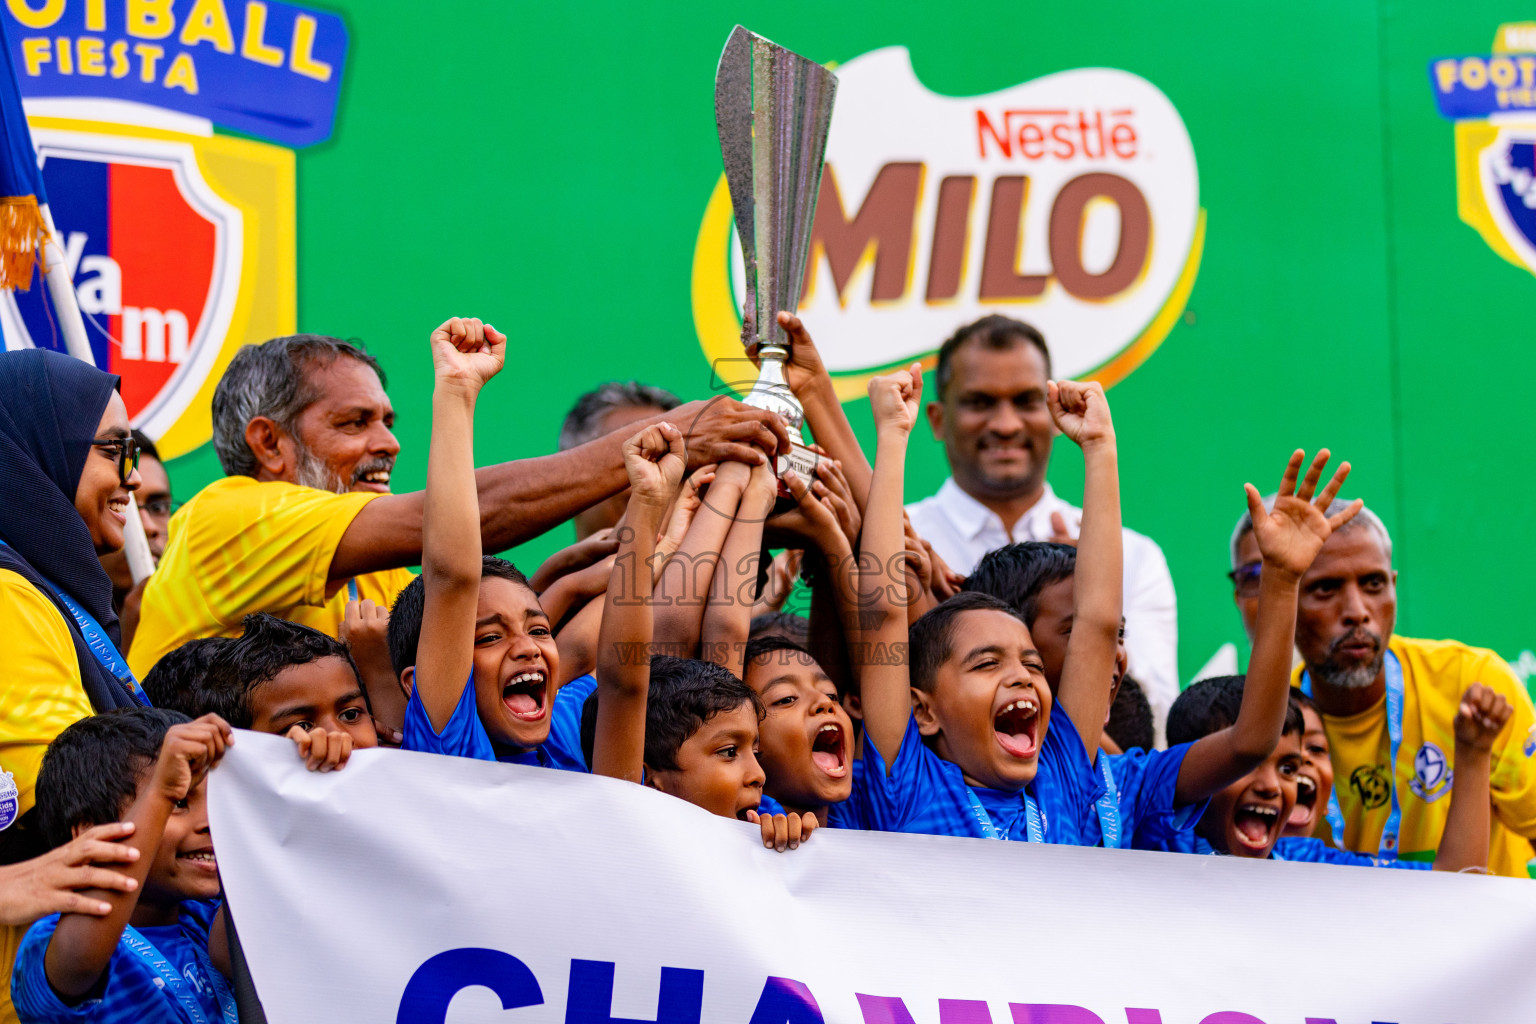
<point x="22" y="230"/>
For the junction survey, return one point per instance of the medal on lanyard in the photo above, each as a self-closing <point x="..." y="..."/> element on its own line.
<point x="170" y="980"/>
<point x="1034" y="826"/>
<point x="1395" y="698"/>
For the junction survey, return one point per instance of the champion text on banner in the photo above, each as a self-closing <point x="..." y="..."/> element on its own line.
<point x="446" y="890"/>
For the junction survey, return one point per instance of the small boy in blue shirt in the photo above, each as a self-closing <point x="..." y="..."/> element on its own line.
<point x="956" y="738"/>
<point x="1247" y="817"/>
<point x="467" y="637"/>
<point x="160" y="955"/>
<point x="1150" y="796"/>
<point x="683" y="726"/>
<point x="277" y="677"/>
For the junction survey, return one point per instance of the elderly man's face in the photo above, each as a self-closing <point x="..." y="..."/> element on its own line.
<point x="993" y="420"/>
<point x="344" y="437"/>
<point x="1348" y="609"/>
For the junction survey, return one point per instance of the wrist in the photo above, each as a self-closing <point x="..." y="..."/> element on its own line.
<point x="817" y="390"/>
<point x="456" y="389"/>
<point x="1099" y="446"/>
<point x="1272" y="575"/>
<point x="892" y="434"/>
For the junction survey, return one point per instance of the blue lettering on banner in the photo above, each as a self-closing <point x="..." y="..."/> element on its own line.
<point x="786" y="1002"/>
<point x="589" y="999"/>
<point x="263" y="67"/>
<point x="591" y="995"/>
<point x="437" y="981"/>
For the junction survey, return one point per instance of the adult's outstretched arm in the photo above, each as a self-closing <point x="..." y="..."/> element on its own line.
<point x="522" y="499"/>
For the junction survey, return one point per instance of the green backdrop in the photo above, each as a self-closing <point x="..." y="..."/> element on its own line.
<point x="545" y="166"/>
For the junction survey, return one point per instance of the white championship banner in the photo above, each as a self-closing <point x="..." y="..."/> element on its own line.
<point x="411" y="887"/>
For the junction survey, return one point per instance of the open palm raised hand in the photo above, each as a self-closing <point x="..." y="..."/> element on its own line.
<point x="1292" y="533"/>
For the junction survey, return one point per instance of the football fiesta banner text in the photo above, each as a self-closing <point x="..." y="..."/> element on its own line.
<point x="449" y="890"/>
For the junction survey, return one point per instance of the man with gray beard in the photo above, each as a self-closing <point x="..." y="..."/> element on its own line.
<point x="302" y="427"/>
<point x="1388" y="704"/>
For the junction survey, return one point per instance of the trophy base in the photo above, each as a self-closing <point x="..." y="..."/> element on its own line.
<point x="803" y="461"/>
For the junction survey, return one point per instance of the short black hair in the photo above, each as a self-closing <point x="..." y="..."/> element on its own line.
<point x="772" y="643"/>
<point x="995" y="332"/>
<point x="785" y="624"/>
<point x="932" y="636"/>
<point x="584" y="422"/>
<point x="404" y="631"/>
<point x="1016" y="573"/>
<point x="194" y="678"/>
<point x="92" y="770"/>
<point x="685" y="694"/>
<point x="1212" y="705"/>
<point x="1130" y="717"/>
<point x="266" y="647"/>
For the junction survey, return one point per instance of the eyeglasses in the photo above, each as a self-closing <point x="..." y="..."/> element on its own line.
<point x="127" y="455"/>
<point x="1245" y="578"/>
<point x="161" y="508"/>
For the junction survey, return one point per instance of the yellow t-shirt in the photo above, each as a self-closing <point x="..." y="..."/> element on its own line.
<point x="1435" y="675"/>
<point x="242" y="546"/>
<point x="40" y="695"/>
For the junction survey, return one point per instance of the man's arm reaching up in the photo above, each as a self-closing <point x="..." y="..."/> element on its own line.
<point x="521" y="500"/>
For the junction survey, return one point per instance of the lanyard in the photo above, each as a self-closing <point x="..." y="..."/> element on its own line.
<point x="1034" y="827"/>
<point x="1108" y="807"/>
<point x="352" y="589"/>
<point x="1389" y="832"/>
<point x="97" y="642"/>
<point x="172" y="981"/>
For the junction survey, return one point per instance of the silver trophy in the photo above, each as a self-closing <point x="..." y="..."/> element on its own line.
<point x="773" y="108"/>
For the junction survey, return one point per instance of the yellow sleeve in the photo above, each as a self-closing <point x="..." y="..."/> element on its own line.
<point x="1512" y="779"/>
<point x="241" y="546"/>
<point x="267" y="546"/>
<point x="42" y="693"/>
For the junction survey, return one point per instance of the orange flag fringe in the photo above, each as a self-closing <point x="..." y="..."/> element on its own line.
<point x="22" y="235"/>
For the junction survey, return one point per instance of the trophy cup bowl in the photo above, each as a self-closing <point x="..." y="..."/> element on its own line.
<point x="773" y="108"/>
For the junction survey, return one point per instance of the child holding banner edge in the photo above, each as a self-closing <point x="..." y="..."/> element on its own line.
<point x="956" y="738"/>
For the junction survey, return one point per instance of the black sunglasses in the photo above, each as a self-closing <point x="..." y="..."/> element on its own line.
<point x="127" y="455"/>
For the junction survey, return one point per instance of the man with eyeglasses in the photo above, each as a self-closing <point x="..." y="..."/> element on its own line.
<point x="155" y="508"/>
<point x="1388" y="704"/>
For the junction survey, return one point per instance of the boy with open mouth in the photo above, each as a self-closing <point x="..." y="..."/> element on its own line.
<point x="958" y="741"/>
<point x="1150" y="796"/>
<point x="1249" y="817"/>
<point x="1314" y="783"/>
<point x="806" y="737"/>
<point x="684" y="726"/>
<point x="468" y="637"/>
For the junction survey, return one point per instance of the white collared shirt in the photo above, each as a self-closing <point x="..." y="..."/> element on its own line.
<point x="962" y="529"/>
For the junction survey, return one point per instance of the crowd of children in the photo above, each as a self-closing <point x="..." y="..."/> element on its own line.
<point x="903" y="703"/>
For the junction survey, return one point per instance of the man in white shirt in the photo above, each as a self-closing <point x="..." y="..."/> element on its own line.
<point x="990" y="413"/>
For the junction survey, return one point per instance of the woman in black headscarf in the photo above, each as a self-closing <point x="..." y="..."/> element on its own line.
<point x="67" y="465"/>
